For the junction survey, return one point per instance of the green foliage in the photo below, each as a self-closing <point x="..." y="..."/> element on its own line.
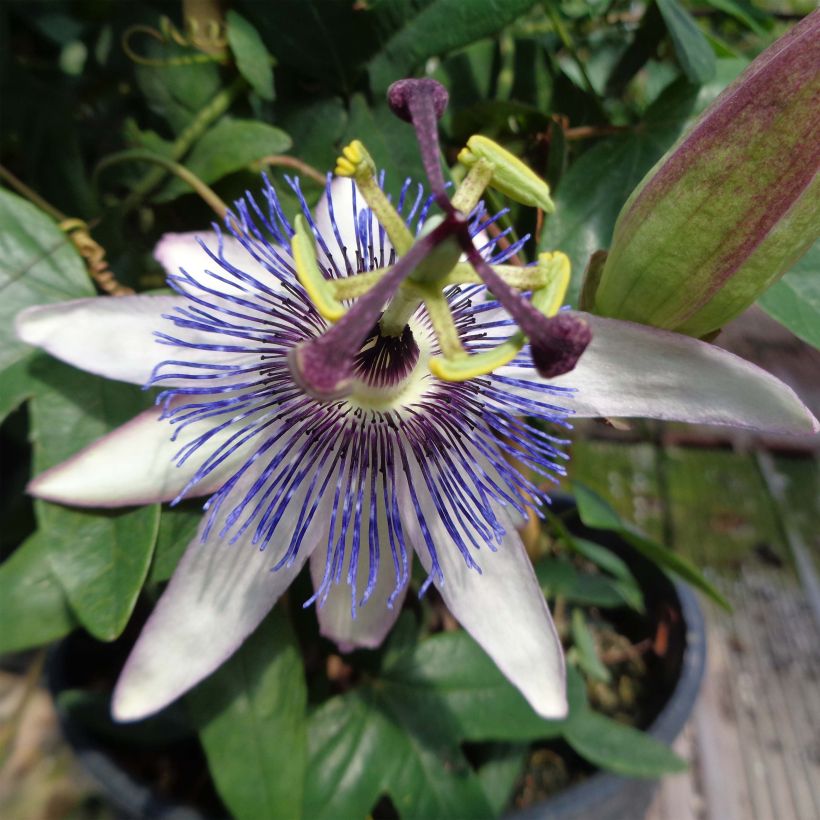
<point x="210" y="161"/>
<point x="251" y="719"/>
<point x="252" y="58"/>
<point x="33" y="607"/>
<point x="39" y="265"/>
<point x="795" y="300"/>
<point x="620" y="748"/>
<point x="101" y="558"/>
<point x="588" y="101"/>
<point x="691" y="47"/>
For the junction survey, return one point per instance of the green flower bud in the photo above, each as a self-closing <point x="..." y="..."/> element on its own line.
<point x="731" y="207"/>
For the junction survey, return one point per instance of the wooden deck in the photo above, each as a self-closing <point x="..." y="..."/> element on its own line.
<point x="752" y="521"/>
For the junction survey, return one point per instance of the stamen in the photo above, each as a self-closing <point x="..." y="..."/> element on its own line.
<point x="325" y="367"/>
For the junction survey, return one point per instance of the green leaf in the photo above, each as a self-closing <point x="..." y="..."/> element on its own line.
<point x="175" y="92"/>
<point x="691" y="46"/>
<point x="229" y="146"/>
<point x="251" y="714"/>
<point x="560" y="579"/>
<point x="596" y="513"/>
<point x="587" y="651"/>
<point x="33" y="607"/>
<point x="101" y="558"/>
<point x="177" y="528"/>
<point x="499" y="772"/>
<point x="450" y="673"/>
<point x="618" y="748"/>
<point x="359" y="750"/>
<point x="15" y="385"/>
<point x="795" y="300"/>
<point x="252" y="58"/>
<point x="441" y="27"/>
<point x="399" y="732"/>
<point x="315" y="126"/>
<point x="38" y="265"/>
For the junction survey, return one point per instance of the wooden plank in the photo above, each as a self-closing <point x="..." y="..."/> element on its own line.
<point x="626" y="476"/>
<point x="720" y="510"/>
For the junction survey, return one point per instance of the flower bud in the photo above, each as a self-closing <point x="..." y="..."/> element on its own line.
<point x="731" y="207"/>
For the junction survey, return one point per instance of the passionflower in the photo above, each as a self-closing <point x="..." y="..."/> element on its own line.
<point x="345" y="391"/>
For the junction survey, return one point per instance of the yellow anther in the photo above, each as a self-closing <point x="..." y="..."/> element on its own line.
<point x="319" y="289"/>
<point x="556" y="268"/>
<point x="510" y="176"/>
<point x="355" y="162"/>
<point x="471" y="366"/>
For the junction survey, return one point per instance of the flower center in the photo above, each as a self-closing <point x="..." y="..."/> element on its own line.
<point x="389" y="370"/>
<point x="385" y="361"/>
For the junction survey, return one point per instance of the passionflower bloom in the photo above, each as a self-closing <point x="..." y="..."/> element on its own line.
<point x="363" y="443"/>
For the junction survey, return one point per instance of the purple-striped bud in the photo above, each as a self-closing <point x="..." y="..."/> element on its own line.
<point x="731" y="206"/>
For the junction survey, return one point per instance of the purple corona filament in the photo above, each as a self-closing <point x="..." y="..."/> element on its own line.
<point x="455" y="442"/>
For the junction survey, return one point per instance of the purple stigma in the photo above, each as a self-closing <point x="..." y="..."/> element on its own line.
<point x="556" y="343"/>
<point x="422" y="102"/>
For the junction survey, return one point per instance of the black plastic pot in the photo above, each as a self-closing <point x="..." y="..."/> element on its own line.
<point x="600" y="797"/>
<point x="611" y="797"/>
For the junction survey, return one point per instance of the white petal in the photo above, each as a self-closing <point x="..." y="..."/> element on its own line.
<point x="634" y="370"/>
<point x="108" y="336"/>
<point x="375" y="619"/>
<point x="184" y="251"/>
<point x="218" y="595"/>
<point x="136" y="464"/>
<point x="503" y="608"/>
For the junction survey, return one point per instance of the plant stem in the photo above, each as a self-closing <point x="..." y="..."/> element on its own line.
<point x="206" y="116"/>
<point x="165" y="165"/>
<point x="30" y="194"/>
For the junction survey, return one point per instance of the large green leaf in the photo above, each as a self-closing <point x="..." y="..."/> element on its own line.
<point x="229" y="146"/>
<point x="38" y="265"/>
<point x="559" y="578"/>
<point x="596" y="513"/>
<point x="360" y="750"/>
<point x="399" y="733"/>
<point x="252" y="58"/>
<point x="251" y="719"/>
<point x="795" y="300"/>
<point x="15" y="385"/>
<point x="441" y="27"/>
<point x="691" y="46"/>
<point x="175" y="88"/>
<point x="315" y="126"/>
<point x="101" y="558"/>
<point x="500" y="771"/>
<point x="33" y="607"/>
<point x="451" y="679"/>
<point x="619" y="748"/>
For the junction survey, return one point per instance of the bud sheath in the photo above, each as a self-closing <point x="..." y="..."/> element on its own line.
<point x="732" y="206"/>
